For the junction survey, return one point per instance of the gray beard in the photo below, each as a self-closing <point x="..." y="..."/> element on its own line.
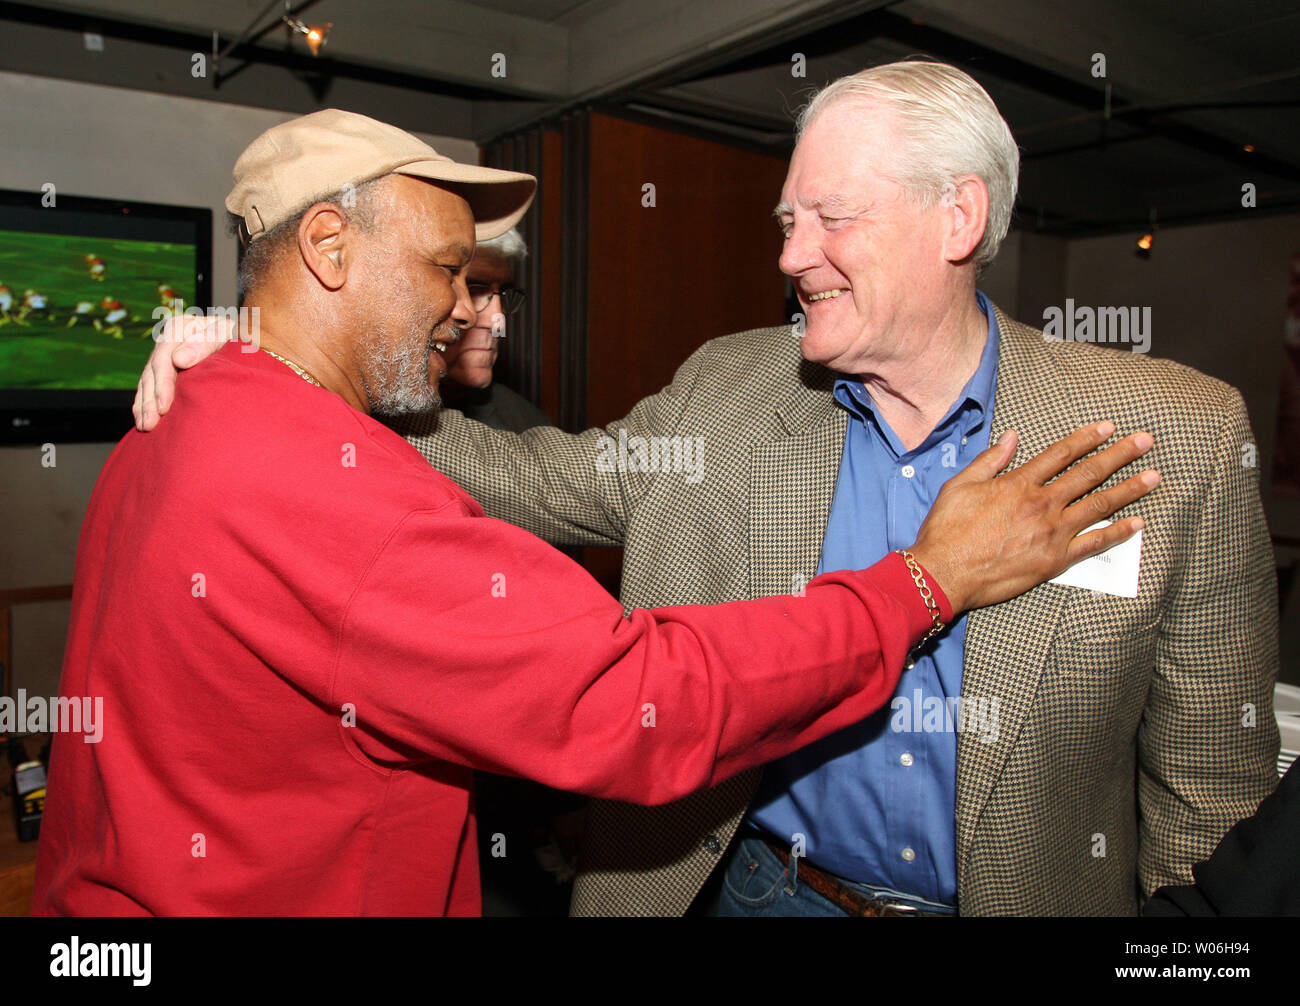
<point x="400" y="374"/>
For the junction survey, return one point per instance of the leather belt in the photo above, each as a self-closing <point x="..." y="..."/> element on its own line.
<point x="851" y="902"/>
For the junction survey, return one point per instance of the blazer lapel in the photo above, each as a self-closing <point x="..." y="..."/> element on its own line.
<point x="1007" y="645"/>
<point x="791" y="485"/>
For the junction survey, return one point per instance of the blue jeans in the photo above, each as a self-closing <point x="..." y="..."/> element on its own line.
<point x="756" y="884"/>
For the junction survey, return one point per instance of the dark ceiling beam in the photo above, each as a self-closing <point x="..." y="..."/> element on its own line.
<point x="60" y="53"/>
<point x="879" y="25"/>
<point x="251" y="35"/>
<point x="1014" y="70"/>
<point x="686" y="60"/>
<point x="693" y="62"/>
<point x="1153" y="120"/>
<point x="457" y="41"/>
<point x="286" y="57"/>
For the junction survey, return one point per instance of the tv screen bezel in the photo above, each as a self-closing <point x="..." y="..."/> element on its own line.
<point x="72" y="415"/>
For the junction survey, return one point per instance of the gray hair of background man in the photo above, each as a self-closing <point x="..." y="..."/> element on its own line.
<point x="950" y="127"/>
<point x="510" y="246"/>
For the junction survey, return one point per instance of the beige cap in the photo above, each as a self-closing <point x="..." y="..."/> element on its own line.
<point x="298" y="162"/>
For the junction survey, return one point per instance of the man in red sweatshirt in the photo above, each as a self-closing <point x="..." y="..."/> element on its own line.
<point x="305" y="638"/>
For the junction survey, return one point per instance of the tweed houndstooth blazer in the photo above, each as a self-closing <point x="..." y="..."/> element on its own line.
<point x="1132" y="732"/>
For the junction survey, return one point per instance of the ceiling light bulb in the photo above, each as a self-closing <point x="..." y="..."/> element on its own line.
<point x="316" y="36"/>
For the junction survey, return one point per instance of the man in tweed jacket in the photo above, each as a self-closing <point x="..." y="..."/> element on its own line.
<point x="1132" y="732"/>
<point x="1118" y="717"/>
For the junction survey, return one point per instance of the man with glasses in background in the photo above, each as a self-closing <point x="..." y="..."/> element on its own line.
<point x="469" y="385"/>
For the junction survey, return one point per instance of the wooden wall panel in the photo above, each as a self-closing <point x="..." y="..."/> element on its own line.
<point x="701" y="263"/>
<point x="549" y="256"/>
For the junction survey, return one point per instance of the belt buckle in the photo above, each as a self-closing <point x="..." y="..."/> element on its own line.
<point x="890" y="909"/>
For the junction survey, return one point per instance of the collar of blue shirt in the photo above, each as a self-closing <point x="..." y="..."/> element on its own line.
<point x="970" y="408"/>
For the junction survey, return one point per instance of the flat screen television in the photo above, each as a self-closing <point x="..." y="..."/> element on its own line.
<point x="79" y="285"/>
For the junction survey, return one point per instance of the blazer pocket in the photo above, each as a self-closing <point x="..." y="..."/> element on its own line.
<point x="1129" y="650"/>
<point x="1091" y="697"/>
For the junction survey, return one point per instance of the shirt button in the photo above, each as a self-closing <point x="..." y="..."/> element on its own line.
<point x="908" y="471"/>
<point x="909" y="854"/>
<point x="712" y="844"/>
<point x="906" y="759"/>
<point x="963" y="440"/>
<point x="909" y="664"/>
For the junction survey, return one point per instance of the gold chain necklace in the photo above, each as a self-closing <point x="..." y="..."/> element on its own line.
<point x="295" y="368"/>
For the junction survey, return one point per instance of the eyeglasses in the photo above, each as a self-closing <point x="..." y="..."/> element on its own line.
<point x="512" y="298"/>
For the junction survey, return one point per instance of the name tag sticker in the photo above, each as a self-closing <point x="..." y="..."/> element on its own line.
<point x="1114" y="571"/>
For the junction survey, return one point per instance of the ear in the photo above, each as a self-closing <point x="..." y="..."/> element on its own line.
<point x="323" y="243"/>
<point x="968" y="205"/>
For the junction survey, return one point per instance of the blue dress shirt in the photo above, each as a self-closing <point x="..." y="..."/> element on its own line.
<point x="876" y="802"/>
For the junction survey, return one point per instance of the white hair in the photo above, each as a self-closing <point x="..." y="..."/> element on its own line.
<point x="510" y="246"/>
<point x="950" y="127"/>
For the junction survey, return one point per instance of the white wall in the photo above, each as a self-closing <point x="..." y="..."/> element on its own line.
<point x="91" y="140"/>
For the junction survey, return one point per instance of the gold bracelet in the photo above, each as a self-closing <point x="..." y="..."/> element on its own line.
<point x="918" y="578"/>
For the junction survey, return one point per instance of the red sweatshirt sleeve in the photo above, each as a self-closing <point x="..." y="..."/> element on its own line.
<point x="471" y="641"/>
